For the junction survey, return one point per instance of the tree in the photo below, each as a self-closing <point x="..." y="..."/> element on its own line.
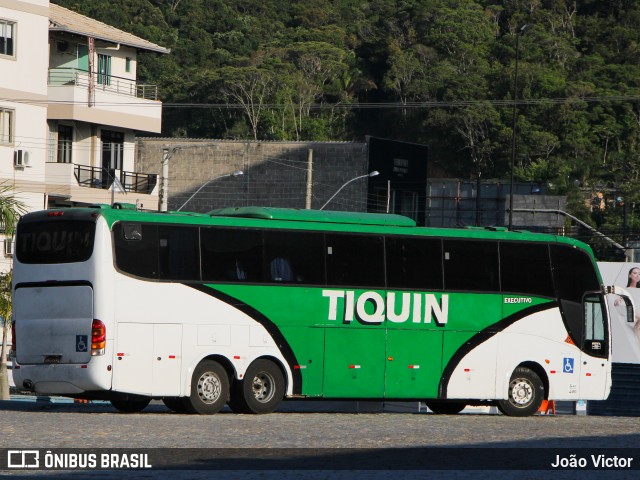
<point x="10" y="211"/>
<point x="249" y="87"/>
<point x="5" y="313"/>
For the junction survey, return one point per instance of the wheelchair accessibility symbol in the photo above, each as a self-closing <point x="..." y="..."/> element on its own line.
<point x="82" y="343"/>
<point x="567" y="364"/>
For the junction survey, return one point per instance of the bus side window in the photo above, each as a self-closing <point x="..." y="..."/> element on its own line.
<point x="138" y="254"/>
<point x="414" y="262"/>
<point x="178" y="253"/>
<point x="573" y="273"/>
<point x="231" y="254"/>
<point x="526" y="268"/>
<point x="355" y="260"/>
<point x="471" y="265"/>
<point x="294" y="257"/>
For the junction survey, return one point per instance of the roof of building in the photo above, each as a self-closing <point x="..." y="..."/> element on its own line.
<point x="64" y="20"/>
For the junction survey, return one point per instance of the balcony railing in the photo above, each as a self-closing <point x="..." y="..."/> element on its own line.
<point x="106" y="83"/>
<point x="97" y="177"/>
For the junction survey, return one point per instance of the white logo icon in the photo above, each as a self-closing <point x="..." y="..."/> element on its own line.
<point x="23" y="459"/>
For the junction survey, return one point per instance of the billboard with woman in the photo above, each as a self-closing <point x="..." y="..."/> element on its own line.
<point x="625" y="335"/>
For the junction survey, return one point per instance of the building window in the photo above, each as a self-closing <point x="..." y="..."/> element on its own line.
<point x="65" y="143"/>
<point x="112" y="150"/>
<point x="7" y="38"/>
<point x="6" y="125"/>
<point x="127" y="65"/>
<point x="51" y="141"/>
<point x="104" y="69"/>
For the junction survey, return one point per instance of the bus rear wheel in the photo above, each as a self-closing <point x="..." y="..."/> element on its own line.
<point x="446" y="408"/>
<point x="209" y="389"/>
<point x="525" y="395"/>
<point x="261" y="391"/>
<point x="130" y="406"/>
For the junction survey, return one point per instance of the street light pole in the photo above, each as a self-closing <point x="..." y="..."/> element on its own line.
<point x="371" y="174"/>
<point x="520" y="31"/>
<point x="234" y="174"/>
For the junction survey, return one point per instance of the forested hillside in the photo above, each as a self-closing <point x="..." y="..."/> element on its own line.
<point x="437" y="72"/>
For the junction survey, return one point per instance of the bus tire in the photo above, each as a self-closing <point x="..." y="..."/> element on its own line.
<point x="209" y="389"/>
<point x="262" y="389"/>
<point x="446" y="408"/>
<point x="175" y="404"/>
<point x="130" y="406"/>
<point x="525" y="395"/>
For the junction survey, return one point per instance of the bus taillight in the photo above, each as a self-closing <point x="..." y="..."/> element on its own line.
<point x="98" y="338"/>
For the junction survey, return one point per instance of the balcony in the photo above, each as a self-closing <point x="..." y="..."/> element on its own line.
<point x="104" y="83"/>
<point x="103" y="100"/>
<point x="96" y="177"/>
<point x="85" y="184"/>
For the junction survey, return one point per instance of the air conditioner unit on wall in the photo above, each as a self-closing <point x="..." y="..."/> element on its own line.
<point x="8" y="247"/>
<point x="21" y="158"/>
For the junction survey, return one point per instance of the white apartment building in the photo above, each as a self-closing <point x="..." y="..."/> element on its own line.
<point x="70" y="106"/>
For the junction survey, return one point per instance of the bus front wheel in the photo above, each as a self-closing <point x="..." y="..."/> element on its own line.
<point x="209" y="389"/>
<point x="261" y="391"/>
<point x="525" y="395"/>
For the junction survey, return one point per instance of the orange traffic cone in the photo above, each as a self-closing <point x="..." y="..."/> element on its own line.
<point x="547" y="407"/>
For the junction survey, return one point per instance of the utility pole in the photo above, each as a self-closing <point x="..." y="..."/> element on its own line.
<point x="309" y="178"/>
<point x="164" y="181"/>
<point x="514" y="127"/>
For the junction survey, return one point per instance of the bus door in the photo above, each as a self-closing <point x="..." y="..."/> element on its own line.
<point x="148" y="359"/>
<point x="595" y="366"/>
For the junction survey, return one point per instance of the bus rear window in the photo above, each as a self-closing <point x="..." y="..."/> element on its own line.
<point x="59" y="241"/>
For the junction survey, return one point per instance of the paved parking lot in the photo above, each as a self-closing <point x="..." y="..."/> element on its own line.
<point x="380" y="439"/>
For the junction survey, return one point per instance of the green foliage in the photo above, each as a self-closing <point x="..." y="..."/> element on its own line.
<point x="10" y="209"/>
<point x="5" y="296"/>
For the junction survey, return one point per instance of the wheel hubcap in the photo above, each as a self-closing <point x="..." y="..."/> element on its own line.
<point x="209" y="387"/>
<point x="521" y="392"/>
<point x="263" y="387"/>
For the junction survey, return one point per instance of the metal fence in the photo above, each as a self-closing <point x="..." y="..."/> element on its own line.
<point x="106" y="83"/>
<point x="97" y="177"/>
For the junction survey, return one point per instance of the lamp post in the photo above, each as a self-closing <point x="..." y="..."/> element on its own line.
<point x="237" y="173"/>
<point x="370" y="174"/>
<point x="520" y="31"/>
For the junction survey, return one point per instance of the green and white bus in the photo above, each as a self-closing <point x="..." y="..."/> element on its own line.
<point x="248" y="306"/>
